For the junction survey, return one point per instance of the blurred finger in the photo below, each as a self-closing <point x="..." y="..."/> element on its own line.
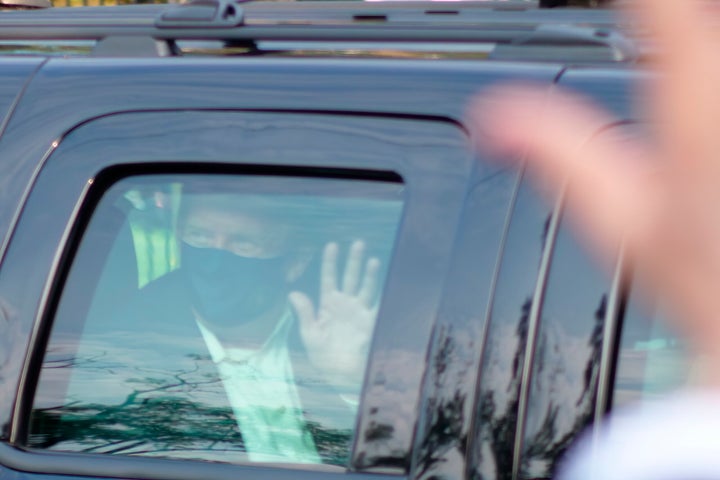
<point x="683" y="100"/>
<point x="606" y="187"/>
<point x="351" y="278"/>
<point x="677" y="24"/>
<point x="370" y="282"/>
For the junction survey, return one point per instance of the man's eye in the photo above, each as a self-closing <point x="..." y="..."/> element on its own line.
<point x="245" y="248"/>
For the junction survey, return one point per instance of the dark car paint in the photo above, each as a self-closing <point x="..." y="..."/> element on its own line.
<point x="457" y="233"/>
<point x="16" y="73"/>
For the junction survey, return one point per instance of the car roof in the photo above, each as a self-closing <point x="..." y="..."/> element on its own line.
<point x="514" y="30"/>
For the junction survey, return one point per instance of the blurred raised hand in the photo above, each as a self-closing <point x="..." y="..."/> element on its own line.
<point x="660" y="199"/>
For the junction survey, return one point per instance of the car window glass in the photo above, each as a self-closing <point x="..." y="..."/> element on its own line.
<point x="566" y="361"/>
<point x="652" y="359"/>
<point x="504" y="352"/>
<point x="218" y="318"/>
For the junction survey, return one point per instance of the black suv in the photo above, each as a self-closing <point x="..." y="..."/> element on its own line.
<point x="252" y="240"/>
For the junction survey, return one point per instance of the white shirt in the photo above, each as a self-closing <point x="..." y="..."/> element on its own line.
<point x="677" y="438"/>
<point x="260" y="386"/>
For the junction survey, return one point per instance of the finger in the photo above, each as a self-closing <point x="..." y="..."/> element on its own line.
<point x="353" y="267"/>
<point x="678" y="25"/>
<point x="683" y="100"/>
<point x="328" y="271"/>
<point x="370" y="282"/>
<point x="495" y="117"/>
<point x="606" y="187"/>
<point x="485" y="124"/>
<point x="303" y="307"/>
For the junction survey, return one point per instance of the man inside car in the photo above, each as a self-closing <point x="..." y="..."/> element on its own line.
<point x="284" y="342"/>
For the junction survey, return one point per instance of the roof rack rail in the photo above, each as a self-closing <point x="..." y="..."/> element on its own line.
<point x="201" y="14"/>
<point x="552" y="42"/>
<point x="518" y="30"/>
<point x="24" y="4"/>
<point x="573" y="3"/>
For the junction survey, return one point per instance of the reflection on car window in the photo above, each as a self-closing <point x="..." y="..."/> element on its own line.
<point x="216" y="318"/>
<point x="503" y="357"/>
<point x="652" y="360"/>
<point x="566" y="362"/>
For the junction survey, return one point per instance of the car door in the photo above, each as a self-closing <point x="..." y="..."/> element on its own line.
<point x="97" y="400"/>
<point x="549" y="355"/>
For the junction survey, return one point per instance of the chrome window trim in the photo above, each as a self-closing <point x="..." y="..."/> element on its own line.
<point x="533" y="328"/>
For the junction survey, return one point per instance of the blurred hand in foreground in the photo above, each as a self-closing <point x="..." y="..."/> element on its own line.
<point x="662" y="201"/>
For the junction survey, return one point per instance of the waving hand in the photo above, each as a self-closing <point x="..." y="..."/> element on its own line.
<point x="337" y="333"/>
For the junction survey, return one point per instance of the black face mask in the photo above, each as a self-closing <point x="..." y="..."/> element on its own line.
<point x="228" y="289"/>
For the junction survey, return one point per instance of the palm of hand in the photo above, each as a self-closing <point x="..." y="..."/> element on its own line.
<point x="337" y="334"/>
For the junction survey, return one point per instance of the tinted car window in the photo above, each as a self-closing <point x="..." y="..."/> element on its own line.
<point x="566" y="360"/>
<point x="507" y="336"/>
<point x="218" y="318"/>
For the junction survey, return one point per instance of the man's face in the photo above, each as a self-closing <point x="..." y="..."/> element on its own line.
<point x="236" y="232"/>
<point x="236" y="261"/>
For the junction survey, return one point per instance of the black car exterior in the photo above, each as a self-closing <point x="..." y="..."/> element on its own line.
<point x="497" y="340"/>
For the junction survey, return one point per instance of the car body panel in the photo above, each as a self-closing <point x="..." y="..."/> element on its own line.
<point x="431" y="157"/>
<point x="472" y="260"/>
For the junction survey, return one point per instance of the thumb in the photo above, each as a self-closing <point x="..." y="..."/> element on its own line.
<point x="303" y="307"/>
